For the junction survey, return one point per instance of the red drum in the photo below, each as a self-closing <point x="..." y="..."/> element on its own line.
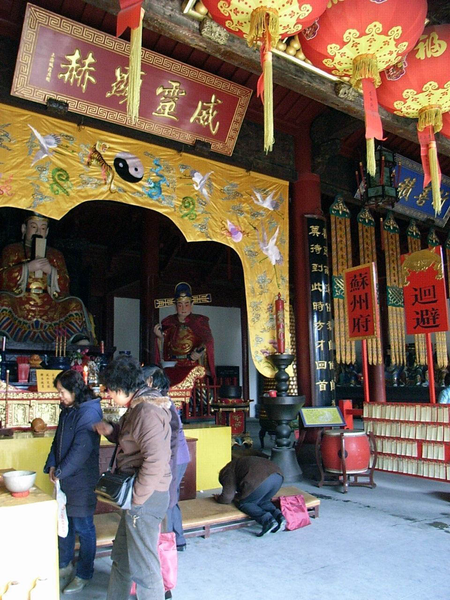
<point x="357" y="451"/>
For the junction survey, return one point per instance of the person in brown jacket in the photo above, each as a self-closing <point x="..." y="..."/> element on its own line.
<point x="143" y="434"/>
<point x="252" y="482"/>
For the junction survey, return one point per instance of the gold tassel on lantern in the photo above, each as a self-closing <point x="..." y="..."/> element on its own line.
<point x="264" y="27"/>
<point x="432" y="115"/>
<point x="365" y="69"/>
<point x="134" y="72"/>
<point x="435" y="178"/>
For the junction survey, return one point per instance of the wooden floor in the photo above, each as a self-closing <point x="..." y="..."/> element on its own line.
<point x="201" y="517"/>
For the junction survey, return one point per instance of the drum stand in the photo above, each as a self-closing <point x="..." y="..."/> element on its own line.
<point x="344" y="478"/>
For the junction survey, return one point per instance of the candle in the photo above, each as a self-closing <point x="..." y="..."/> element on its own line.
<point x="363" y="181"/>
<point x="279" y="320"/>
<point x="102" y="347"/>
<point x="382" y="171"/>
<point x="85" y="374"/>
<point x="357" y="184"/>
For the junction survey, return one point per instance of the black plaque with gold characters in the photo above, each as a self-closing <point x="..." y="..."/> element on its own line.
<point x="319" y="300"/>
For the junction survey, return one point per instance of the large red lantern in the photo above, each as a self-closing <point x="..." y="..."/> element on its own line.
<point x="446" y="125"/>
<point x="419" y="88"/>
<point x="359" y="39"/>
<point x="265" y="21"/>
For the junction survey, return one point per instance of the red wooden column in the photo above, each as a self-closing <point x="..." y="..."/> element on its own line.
<point x="149" y="282"/>
<point x="306" y="199"/>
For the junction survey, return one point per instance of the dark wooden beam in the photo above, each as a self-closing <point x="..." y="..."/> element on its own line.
<point x="166" y="18"/>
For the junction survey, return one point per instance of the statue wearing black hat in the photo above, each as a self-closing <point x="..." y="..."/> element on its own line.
<point x="35" y="303"/>
<point x="184" y="336"/>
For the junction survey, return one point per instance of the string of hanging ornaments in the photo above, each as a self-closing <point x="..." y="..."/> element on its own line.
<point x="360" y="39"/>
<point x="418" y="87"/>
<point x="265" y="22"/>
<point x="131" y="14"/>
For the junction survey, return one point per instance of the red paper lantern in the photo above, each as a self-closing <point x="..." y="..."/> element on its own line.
<point x="446" y="125"/>
<point x="359" y="39"/>
<point x="265" y="21"/>
<point x="418" y="87"/>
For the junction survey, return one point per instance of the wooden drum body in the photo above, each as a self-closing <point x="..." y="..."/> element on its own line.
<point x="356" y="451"/>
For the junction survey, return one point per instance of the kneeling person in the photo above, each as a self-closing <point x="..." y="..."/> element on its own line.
<point x="252" y="482"/>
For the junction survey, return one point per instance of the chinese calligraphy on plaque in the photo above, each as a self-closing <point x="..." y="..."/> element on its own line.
<point x="424" y="293"/>
<point x="88" y="69"/>
<point x="322" y="349"/>
<point x="360" y="285"/>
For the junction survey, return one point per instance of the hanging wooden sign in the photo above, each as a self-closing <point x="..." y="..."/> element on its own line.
<point x="424" y="293"/>
<point x="361" y="297"/>
<point x="70" y="62"/>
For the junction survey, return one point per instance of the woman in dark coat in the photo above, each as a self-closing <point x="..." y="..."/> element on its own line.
<point x="73" y="460"/>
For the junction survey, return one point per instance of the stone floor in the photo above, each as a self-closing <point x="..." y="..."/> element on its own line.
<point x="387" y="543"/>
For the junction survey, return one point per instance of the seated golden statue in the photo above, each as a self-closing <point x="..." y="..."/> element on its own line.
<point x="35" y="305"/>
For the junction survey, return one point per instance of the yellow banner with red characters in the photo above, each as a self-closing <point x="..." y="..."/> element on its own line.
<point x="50" y="166"/>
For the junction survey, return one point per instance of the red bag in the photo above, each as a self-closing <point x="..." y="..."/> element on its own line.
<point x="294" y="511"/>
<point x="168" y="557"/>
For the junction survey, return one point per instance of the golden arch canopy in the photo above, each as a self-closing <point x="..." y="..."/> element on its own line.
<point x="51" y="166"/>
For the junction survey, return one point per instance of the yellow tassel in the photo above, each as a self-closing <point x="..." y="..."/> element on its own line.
<point x="134" y="72"/>
<point x="430" y="115"/>
<point x="262" y="20"/>
<point x="370" y="156"/>
<point x="365" y="66"/>
<point x="269" y="138"/>
<point x="435" y="186"/>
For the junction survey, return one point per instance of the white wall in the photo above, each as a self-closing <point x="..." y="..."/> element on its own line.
<point x="126" y="325"/>
<point x="225" y="326"/>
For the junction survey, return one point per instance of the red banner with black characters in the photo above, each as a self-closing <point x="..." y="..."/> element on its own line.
<point x="67" y="61"/>
<point x="361" y="297"/>
<point x="424" y="293"/>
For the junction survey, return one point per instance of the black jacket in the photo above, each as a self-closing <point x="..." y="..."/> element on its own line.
<point x="74" y="454"/>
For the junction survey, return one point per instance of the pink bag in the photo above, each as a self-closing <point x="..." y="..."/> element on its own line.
<point x="294" y="511"/>
<point x="168" y="557"/>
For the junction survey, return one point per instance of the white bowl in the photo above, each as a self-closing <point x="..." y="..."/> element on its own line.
<point x="19" y="481"/>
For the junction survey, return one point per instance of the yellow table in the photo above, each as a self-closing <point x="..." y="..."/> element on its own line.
<point x="29" y="548"/>
<point x="25" y="451"/>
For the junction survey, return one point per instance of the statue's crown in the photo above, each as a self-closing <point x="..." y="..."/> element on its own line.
<point x="182" y="290"/>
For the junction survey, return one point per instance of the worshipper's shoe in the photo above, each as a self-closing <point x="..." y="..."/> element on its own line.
<point x="66" y="571"/>
<point x="281" y="524"/>
<point x="268" y="526"/>
<point x="167" y="595"/>
<point x="181" y="547"/>
<point x="76" y="585"/>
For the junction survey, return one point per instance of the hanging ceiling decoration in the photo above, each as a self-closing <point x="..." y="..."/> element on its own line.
<point x="265" y="21"/>
<point x="131" y="15"/>
<point x="359" y="39"/>
<point x="419" y="88"/>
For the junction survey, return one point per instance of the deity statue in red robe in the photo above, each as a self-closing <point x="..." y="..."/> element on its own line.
<point x="186" y="337"/>
<point x="35" y="305"/>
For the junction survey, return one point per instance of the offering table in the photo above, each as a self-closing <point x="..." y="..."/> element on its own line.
<point x="29" y="548"/>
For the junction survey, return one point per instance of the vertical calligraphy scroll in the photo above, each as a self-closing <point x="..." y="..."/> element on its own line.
<point x="321" y="335"/>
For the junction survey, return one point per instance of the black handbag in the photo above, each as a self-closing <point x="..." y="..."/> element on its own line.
<point x="115" y="488"/>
